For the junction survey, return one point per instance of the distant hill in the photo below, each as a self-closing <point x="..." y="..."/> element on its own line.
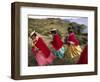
<point x="43" y="26"/>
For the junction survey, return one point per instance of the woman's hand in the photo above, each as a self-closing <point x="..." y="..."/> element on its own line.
<point x="36" y="49"/>
<point x="70" y="42"/>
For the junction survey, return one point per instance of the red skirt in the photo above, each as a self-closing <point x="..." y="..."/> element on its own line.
<point x="42" y="61"/>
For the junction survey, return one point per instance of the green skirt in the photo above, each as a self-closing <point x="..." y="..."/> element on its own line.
<point x="59" y="53"/>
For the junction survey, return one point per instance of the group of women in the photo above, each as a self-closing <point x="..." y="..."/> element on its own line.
<point x="44" y="55"/>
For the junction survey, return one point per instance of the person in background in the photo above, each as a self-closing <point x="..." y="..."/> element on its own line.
<point x="40" y="50"/>
<point x="84" y="56"/>
<point x="57" y="44"/>
<point x="73" y="48"/>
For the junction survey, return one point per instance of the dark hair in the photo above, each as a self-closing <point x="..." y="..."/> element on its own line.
<point x="53" y="32"/>
<point x="70" y="29"/>
<point x="34" y="35"/>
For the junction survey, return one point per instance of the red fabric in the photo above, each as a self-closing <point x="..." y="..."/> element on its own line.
<point x="73" y="39"/>
<point x="43" y="47"/>
<point x="57" y="43"/>
<point x="84" y="56"/>
<point x="33" y="50"/>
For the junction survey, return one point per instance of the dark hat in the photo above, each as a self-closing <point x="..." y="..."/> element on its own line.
<point x="70" y="29"/>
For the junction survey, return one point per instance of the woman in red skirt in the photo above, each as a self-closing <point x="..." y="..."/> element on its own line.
<point x="42" y="53"/>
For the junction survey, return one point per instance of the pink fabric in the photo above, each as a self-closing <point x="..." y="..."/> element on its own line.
<point x="42" y="53"/>
<point x="73" y="39"/>
<point x="43" y="47"/>
<point x="51" y="58"/>
<point x="41" y="60"/>
<point x="57" y="43"/>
